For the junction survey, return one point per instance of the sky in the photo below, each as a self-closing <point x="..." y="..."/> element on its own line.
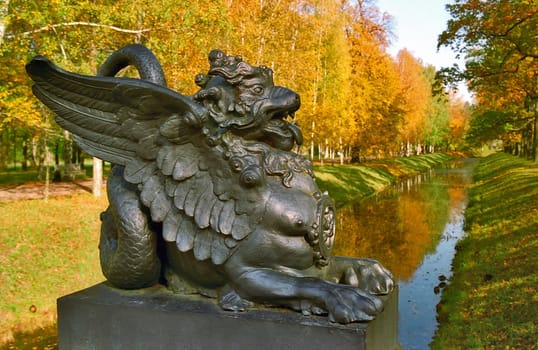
<point x="417" y="24"/>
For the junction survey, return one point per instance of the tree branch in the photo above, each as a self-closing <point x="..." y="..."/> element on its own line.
<point x="88" y="24"/>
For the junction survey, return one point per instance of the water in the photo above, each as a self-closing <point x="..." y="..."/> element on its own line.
<point x="412" y="229"/>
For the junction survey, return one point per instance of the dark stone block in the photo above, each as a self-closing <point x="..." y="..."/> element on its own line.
<point x="102" y="317"/>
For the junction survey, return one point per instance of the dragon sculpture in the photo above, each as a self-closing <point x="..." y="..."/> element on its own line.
<point x="205" y="194"/>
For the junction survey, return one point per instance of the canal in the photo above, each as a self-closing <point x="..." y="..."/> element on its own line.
<point x="412" y="228"/>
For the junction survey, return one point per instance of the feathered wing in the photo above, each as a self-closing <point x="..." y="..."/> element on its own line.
<point x="156" y="134"/>
<point x="114" y="119"/>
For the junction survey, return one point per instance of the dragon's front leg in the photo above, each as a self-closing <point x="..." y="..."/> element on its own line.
<point x="343" y="303"/>
<point x="366" y="274"/>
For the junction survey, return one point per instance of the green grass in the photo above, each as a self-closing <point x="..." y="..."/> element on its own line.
<point x="348" y="183"/>
<point x="492" y="299"/>
<point x="16" y="176"/>
<point x="48" y="249"/>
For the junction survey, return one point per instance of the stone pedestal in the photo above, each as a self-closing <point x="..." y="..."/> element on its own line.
<point x="102" y="317"/>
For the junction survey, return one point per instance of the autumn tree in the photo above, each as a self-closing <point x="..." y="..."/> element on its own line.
<point x="79" y="37"/>
<point x="335" y="120"/>
<point x="354" y="95"/>
<point x="283" y="35"/>
<point x="65" y="33"/>
<point x="459" y="122"/>
<point x="22" y="123"/>
<point x="485" y="126"/>
<point x="4" y="4"/>
<point x="498" y="40"/>
<point x="415" y="95"/>
<point x="374" y="80"/>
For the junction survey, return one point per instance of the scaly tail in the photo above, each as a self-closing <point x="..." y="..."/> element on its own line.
<point x="128" y="245"/>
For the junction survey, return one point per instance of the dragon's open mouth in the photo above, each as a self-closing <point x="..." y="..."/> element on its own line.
<point x="281" y="103"/>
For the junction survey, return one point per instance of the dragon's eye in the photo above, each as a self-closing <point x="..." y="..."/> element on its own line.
<point x="258" y="89"/>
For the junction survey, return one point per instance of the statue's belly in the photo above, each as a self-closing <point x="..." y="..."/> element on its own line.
<point x="276" y="250"/>
<point x="201" y="273"/>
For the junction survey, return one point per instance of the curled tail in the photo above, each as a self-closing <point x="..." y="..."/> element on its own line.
<point x="128" y="244"/>
<point x="136" y="55"/>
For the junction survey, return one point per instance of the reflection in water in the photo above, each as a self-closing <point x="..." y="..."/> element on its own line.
<point x="397" y="227"/>
<point x="412" y="229"/>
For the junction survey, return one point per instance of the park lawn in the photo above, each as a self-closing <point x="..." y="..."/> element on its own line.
<point x="48" y="249"/>
<point x="17" y="176"/>
<point x="492" y="299"/>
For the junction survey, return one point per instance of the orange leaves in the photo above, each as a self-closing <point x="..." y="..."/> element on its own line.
<point x="332" y="53"/>
<point x="459" y="118"/>
<point x="415" y="93"/>
<point x="374" y="87"/>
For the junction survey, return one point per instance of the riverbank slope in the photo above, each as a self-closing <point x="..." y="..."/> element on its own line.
<point x="348" y="183"/>
<point x="492" y="300"/>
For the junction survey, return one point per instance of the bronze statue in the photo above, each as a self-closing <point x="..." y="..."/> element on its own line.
<point x="205" y="194"/>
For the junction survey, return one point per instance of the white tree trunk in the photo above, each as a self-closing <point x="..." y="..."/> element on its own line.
<point x="341" y="150"/>
<point x="4" y="5"/>
<point x="48" y="162"/>
<point x="97" y="177"/>
<point x="312" y="141"/>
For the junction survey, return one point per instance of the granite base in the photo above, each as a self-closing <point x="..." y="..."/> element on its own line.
<point x="102" y="317"/>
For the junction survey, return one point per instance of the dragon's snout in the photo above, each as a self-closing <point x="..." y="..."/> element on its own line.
<point x="280" y="103"/>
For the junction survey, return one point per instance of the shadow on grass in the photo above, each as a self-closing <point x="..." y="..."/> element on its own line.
<point x="41" y="339"/>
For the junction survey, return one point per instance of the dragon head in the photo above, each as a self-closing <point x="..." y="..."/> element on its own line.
<point x="243" y="99"/>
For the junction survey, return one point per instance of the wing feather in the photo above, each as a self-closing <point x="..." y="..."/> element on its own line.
<point x="123" y="115"/>
<point x="181" y="192"/>
<point x="202" y="211"/>
<point x="170" y="186"/>
<point x="138" y="169"/>
<point x="171" y="225"/>
<point x="188" y="166"/>
<point x="150" y="188"/>
<point x="226" y="218"/>
<point x="167" y="159"/>
<point x="97" y="128"/>
<point x="241" y="227"/>
<point x="219" y="251"/>
<point x="221" y="181"/>
<point x="81" y="107"/>
<point x="230" y="242"/>
<point x="185" y="236"/>
<point x="202" y="244"/>
<point x="197" y="188"/>
<point x="160" y="206"/>
<point x="102" y="151"/>
<point x="215" y="213"/>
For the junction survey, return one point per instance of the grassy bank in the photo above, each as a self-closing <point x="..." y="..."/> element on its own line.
<point x="492" y="299"/>
<point x="348" y="183"/>
<point x="48" y="249"/>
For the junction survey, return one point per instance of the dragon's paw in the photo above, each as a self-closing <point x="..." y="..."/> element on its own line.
<point x="231" y="301"/>
<point x="346" y="304"/>
<point x="366" y="274"/>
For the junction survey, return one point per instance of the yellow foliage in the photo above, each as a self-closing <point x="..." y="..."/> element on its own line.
<point x="332" y="53"/>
